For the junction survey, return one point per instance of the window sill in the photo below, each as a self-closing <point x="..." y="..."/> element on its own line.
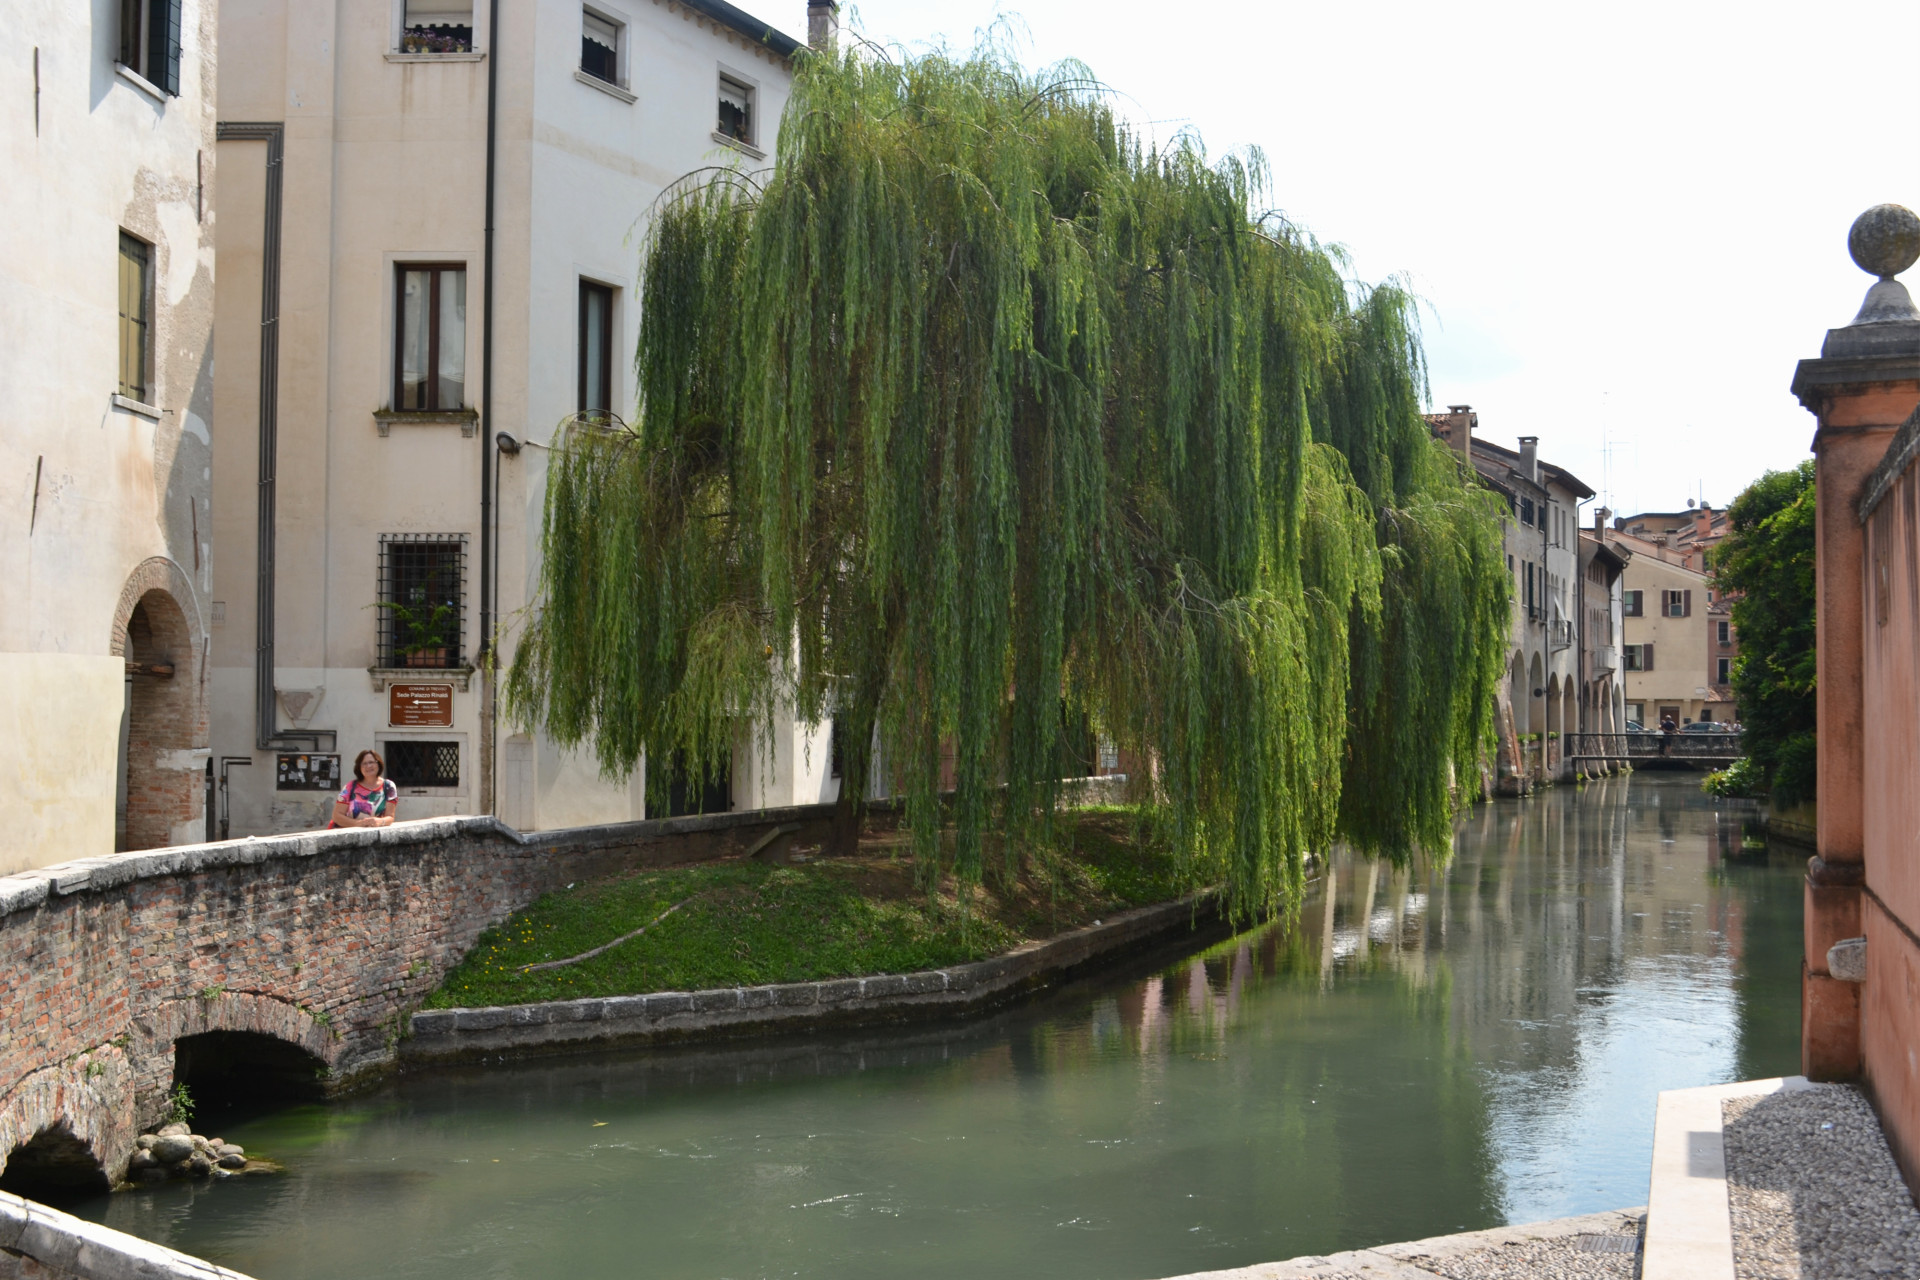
<point x="461" y="678"/>
<point x="746" y="148"/>
<point x="140" y="82"/>
<point x="607" y="87"/>
<point x="136" y="406"/>
<point x="468" y="420"/>
<point x="473" y="56"/>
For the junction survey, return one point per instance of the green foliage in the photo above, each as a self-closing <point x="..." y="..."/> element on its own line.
<point x="1767" y="558"/>
<point x="1741" y="778"/>
<point x="983" y="415"/>
<point x="749" y="923"/>
<point x="179" y="1105"/>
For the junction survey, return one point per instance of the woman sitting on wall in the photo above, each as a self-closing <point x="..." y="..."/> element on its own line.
<point x="369" y="799"/>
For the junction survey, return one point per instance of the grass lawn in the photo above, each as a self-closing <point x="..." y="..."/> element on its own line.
<point x="748" y="922"/>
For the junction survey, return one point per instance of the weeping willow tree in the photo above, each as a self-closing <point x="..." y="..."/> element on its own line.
<point x="980" y="414"/>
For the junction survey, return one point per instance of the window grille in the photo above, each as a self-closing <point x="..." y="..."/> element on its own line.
<point x="422" y="608"/>
<point x="422" y="764"/>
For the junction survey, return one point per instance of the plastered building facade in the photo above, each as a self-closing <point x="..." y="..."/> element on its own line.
<point x="408" y="452"/>
<point x="106" y="314"/>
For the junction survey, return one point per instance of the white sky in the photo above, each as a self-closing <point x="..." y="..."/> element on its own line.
<point x="1628" y="222"/>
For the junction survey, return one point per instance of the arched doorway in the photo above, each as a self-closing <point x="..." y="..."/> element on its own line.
<point x="1517" y="693"/>
<point x="53" y="1167"/>
<point x="1537" y="707"/>
<point x="1555" y="724"/>
<point x="162" y="786"/>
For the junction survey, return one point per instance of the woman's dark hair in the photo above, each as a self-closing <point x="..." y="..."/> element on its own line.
<point x="362" y="756"/>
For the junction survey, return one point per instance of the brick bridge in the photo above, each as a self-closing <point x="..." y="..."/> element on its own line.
<point x="289" y="963"/>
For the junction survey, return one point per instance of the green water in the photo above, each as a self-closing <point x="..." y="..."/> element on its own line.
<point x="1423" y="1053"/>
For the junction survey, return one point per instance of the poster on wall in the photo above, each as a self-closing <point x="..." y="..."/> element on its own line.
<point x="415" y="705"/>
<point x="305" y="772"/>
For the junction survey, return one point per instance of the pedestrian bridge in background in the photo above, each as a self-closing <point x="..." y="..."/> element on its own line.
<point x="1715" y="749"/>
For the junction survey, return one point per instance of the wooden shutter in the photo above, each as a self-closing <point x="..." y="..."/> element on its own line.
<point x="1686" y="603"/>
<point x="1646" y="656"/>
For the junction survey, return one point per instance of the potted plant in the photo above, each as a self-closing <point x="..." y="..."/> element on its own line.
<point x="423" y="631"/>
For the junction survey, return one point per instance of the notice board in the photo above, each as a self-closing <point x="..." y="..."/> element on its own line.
<point x="419" y="705"/>
<point x="306" y="773"/>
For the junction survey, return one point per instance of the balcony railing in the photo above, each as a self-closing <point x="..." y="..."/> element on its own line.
<point x="1711" y="747"/>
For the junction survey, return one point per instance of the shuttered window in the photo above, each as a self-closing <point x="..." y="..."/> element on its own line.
<point x="600" y="47"/>
<point x="150" y="42"/>
<point x="136" y="317"/>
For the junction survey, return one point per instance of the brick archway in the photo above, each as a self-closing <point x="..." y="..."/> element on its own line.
<point x="156" y="629"/>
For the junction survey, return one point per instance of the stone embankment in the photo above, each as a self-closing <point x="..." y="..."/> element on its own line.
<point x="666" y="1017"/>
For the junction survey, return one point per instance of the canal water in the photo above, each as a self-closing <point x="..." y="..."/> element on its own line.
<point x="1424" y="1052"/>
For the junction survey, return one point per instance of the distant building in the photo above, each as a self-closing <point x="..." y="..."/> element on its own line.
<point x="1680" y="641"/>
<point x="1542" y="698"/>
<point x="106" y="364"/>
<point x="380" y="510"/>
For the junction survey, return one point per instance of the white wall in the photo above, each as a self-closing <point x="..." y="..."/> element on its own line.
<point x="90" y="491"/>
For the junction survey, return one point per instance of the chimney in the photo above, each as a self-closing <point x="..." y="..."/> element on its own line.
<point x="1461" y="420"/>
<point x="823" y="25"/>
<point x="1600" y="517"/>
<point x="1530" y="458"/>
<point x="1703" y="521"/>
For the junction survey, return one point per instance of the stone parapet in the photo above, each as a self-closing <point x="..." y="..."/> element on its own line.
<point x="731" y="1012"/>
<point x="38" y="1243"/>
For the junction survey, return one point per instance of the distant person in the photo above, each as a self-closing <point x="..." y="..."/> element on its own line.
<point x="368" y="800"/>
<point x="1667" y="731"/>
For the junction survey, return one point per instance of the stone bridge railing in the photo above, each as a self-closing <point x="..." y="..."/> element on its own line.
<point x="324" y="941"/>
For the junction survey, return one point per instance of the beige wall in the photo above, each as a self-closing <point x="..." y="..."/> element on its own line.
<point x="59" y="740"/>
<point x="385" y="163"/>
<point x="99" y="494"/>
<point x="1680" y="649"/>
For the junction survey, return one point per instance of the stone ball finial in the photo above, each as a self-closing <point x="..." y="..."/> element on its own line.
<point x="1885" y="240"/>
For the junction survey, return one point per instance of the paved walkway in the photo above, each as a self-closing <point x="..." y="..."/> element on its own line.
<point x="1596" y="1246"/>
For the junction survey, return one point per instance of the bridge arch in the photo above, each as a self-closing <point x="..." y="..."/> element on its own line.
<point x="55" y="1165"/>
<point x="229" y="1048"/>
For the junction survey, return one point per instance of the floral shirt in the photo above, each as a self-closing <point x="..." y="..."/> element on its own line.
<point x="363" y="801"/>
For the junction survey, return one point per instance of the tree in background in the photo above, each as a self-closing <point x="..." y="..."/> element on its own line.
<point x="1767" y="557"/>
<point x="981" y="415"/>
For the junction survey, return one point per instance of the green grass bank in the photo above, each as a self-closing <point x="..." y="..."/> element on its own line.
<point x="743" y="922"/>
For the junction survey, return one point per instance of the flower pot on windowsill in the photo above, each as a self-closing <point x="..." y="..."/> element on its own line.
<point x="427" y="658"/>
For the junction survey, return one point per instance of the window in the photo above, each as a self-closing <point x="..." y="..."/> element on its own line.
<point x="1636" y="657"/>
<point x="599" y="47"/>
<point x="422" y="604"/>
<point x="412" y="763"/>
<point x="1526" y="511"/>
<point x="1630" y="604"/>
<point x="1529" y="588"/>
<point x="136" y="317"/>
<point x="1678" y="604"/>
<point x="437" y="26"/>
<point x="150" y="42"/>
<point x="430" y="338"/>
<point x="1637" y="712"/>
<point x="596" y="348"/>
<point x="736" y="111"/>
<point x="1723" y="671"/>
<point x="1726" y="632"/>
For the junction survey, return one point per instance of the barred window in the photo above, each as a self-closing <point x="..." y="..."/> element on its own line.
<point x="412" y="763"/>
<point x="422" y="604"/>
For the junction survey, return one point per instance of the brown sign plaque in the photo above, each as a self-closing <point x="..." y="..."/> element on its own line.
<point x="410" y="705"/>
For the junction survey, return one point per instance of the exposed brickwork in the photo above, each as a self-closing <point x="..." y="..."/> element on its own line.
<point x="326" y="940"/>
<point x="166" y="721"/>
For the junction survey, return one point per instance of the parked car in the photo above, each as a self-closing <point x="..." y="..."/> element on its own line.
<point x="1707" y="726"/>
<point x="1634" y="726"/>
